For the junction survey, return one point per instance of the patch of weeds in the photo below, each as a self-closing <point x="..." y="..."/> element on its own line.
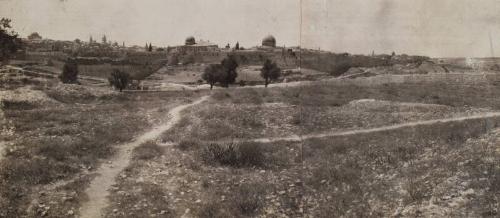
<point x="236" y="155"/>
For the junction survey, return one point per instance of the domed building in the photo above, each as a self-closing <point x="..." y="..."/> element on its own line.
<point x="190" y="41"/>
<point x="269" y="41"/>
<point x="192" y="47"/>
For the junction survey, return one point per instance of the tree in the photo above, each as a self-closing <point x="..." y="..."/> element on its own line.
<point x="34" y="36"/>
<point x="237" y="46"/>
<point x="70" y="72"/>
<point x="270" y="71"/>
<point x="212" y="74"/>
<point x="150" y="48"/>
<point x="9" y="41"/>
<point x="229" y="66"/>
<point x="119" y="79"/>
<point x="104" y="39"/>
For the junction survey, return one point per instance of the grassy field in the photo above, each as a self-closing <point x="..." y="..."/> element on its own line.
<point x="58" y="134"/>
<point x="443" y="169"/>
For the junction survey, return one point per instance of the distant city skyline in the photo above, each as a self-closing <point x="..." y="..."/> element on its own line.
<point x="437" y="28"/>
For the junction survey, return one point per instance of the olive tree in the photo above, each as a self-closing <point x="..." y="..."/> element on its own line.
<point x="270" y="71"/>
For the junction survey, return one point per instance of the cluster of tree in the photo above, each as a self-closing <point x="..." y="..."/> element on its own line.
<point x="9" y="41"/>
<point x="149" y="47"/>
<point x="70" y="72"/>
<point x="223" y="73"/>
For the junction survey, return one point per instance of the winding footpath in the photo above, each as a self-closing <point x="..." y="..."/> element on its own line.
<point x="481" y="116"/>
<point x="98" y="190"/>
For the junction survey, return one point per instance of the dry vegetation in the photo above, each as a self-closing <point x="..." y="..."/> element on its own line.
<point x="58" y="134"/>
<point x="443" y="169"/>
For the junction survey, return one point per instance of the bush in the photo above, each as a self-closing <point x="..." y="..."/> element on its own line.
<point x="242" y="155"/>
<point x="147" y="151"/>
<point x="219" y="153"/>
<point x="70" y="72"/>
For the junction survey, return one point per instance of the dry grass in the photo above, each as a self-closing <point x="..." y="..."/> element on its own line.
<point x="58" y="143"/>
<point x="371" y="173"/>
<point x="236" y="155"/>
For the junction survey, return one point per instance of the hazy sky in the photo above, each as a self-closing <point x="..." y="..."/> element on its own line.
<point x="430" y="27"/>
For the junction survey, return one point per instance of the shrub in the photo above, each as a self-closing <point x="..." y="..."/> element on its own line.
<point x="147" y="151"/>
<point x="219" y="153"/>
<point x="242" y="155"/>
<point x="70" y="72"/>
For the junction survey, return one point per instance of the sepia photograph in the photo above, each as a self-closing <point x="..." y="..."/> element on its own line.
<point x="249" y="108"/>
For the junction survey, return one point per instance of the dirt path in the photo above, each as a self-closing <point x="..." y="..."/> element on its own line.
<point x="98" y="190"/>
<point x="370" y="130"/>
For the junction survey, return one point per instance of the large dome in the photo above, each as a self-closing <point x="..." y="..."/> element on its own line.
<point x="269" y="41"/>
<point x="190" y="41"/>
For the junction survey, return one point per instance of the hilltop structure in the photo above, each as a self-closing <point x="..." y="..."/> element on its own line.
<point x="191" y="46"/>
<point x="269" y="41"/>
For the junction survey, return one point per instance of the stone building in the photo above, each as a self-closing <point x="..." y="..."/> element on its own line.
<point x="269" y="41"/>
<point x="191" y="46"/>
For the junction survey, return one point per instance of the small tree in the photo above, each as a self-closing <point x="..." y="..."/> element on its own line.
<point x="229" y="66"/>
<point x="212" y="74"/>
<point x="150" y="48"/>
<point x="70" y="72"/>
<point x="270" y="71"/>
<point x="237" y="46"/>
<point x="9" y="41"/>
<point x="119" y="79"/>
